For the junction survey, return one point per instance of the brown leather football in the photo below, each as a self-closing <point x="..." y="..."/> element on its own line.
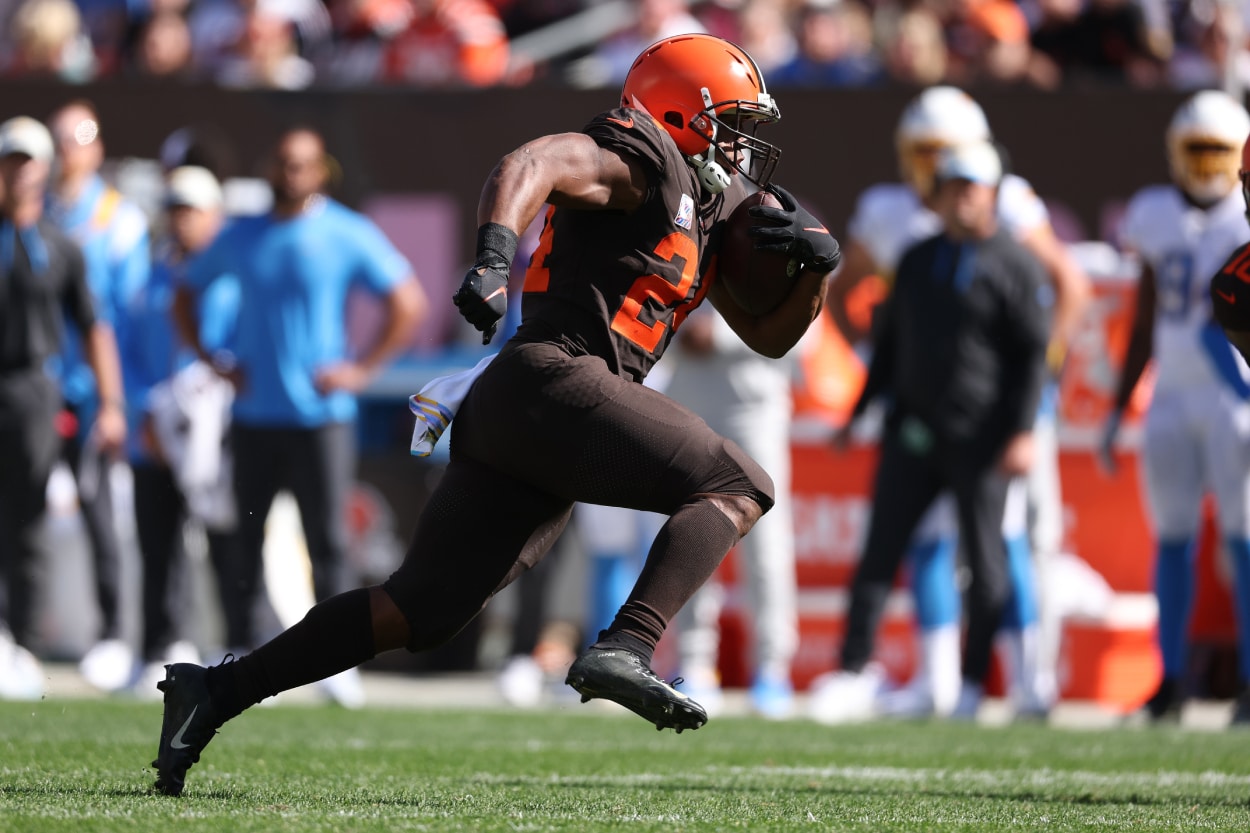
<point x="757" y="281"/>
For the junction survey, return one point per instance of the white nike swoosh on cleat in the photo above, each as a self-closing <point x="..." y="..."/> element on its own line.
<point x="177" y="743"/>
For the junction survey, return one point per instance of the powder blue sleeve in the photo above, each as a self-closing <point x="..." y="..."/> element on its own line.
<point x="219" y="314"/>
<point x="379" y="265"/>
<point x="131" y="274"/>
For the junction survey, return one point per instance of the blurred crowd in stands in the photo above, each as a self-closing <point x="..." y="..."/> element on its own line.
<point x="295" y="44"/>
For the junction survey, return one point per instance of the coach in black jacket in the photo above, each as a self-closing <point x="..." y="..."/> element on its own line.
<point x="42" y="286"/>
<point x="960" y="351"/>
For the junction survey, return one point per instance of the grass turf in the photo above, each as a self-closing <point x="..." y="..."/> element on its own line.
<point x="82" y="766"/>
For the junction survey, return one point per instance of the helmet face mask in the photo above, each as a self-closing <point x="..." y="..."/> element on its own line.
<point x="734" y="135"/>
<point x="1205" y="168"/>
<point x="1204" y="143"/>
<point x="937" y="118"/>
<point x="917" y="161"/>
<point x="709" y="95"/>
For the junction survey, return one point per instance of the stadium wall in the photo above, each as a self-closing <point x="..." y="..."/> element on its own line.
<point x="1085" y="150"/>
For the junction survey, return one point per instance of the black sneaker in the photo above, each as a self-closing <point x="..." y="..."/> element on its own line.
<point x="622" y="677"/>
<point x="1164" y="706"/>
<point x="189" y="724"/>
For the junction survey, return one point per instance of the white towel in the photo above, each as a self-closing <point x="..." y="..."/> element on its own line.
<point x="436" y="405"/>
<point x="191" y="417"/>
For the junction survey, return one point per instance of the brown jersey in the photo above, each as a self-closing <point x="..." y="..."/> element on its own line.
<point x="1230" y="291"/>
<point x="615" y="284"/>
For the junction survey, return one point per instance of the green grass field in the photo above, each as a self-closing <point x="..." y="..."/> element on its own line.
<point x="81" y="765"/>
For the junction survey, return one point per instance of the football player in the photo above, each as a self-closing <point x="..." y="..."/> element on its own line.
<point x="1197" y="433"/>
<point x="1230" y="286"/>
<point x="560" y="415"/>
<point x="888" y="219"/>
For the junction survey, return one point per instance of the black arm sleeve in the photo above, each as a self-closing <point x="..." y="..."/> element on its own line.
<point x="76" y="299"/>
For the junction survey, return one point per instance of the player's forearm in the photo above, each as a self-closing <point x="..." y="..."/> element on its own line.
<point x="1140" y="348"/>
<point x="186" y="322"/>
<point x="775" y="333"/>
<point x="1141" y="339"/>
<point x="101" y="349"/>
<point x="407" y="306"/>
<point x="856" y="266"/>
<point x="1072" y="299"/>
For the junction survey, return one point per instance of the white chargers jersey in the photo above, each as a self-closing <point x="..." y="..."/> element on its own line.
<point x="889" y="218"/>
<point x="1184" y="245"/>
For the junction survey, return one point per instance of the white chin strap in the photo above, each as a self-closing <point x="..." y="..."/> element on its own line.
<point x="711" y="175"/>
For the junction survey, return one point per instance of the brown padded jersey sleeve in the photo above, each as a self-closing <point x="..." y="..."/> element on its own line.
<point x="633" y="132"/>
<point x="1230" y="291"/>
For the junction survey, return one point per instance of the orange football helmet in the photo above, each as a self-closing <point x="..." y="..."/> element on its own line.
<point x="707" y="92"/>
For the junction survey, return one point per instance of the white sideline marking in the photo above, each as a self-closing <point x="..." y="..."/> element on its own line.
<point x="1045" y="777"/>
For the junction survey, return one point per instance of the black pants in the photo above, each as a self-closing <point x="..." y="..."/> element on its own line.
<point x="160" y="513"/>
<point x="317" y="465"/>
<point x="907" y="484"/>
<point x="95" y="500"/>
<point x="29" y="446"/>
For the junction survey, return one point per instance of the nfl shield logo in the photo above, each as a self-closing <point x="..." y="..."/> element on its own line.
<point x="685" y="213"/>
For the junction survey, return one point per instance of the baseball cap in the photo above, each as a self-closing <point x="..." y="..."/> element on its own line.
<point x="974" y="161"/>
<point x="193" y="186"/>
<point x="22" y="134"/>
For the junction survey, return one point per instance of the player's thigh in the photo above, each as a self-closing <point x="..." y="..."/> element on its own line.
<point x="659" y="455"/>
<point x="571" y="427"/>
<point x="1172" y="467"/>
<point x="478" y="531"/>
<point x="1227" y="457"/>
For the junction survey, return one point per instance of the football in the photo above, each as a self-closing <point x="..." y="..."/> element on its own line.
<point x="757" y="281"/>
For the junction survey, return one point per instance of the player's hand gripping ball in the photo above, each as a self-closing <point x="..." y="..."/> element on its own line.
<point x="757" y="280"/>
<point x="785" y="240"/>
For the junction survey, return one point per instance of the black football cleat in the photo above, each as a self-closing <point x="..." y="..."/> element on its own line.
<point x="1164" y="706"/>
<point x="622" y="677"/>
<point x="189" y="723"/>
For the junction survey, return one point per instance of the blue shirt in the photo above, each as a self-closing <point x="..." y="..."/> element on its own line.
<point x="294" y="275"/>
<point x="113" y="235"/>
<point x="150" y="348"/>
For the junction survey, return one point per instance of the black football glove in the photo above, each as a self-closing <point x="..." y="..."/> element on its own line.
<point x="483" y="294"/>
<point x="792" y="230"/>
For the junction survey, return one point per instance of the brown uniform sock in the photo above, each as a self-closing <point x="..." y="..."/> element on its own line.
<point x="685" y="554"/>
<point x="333" y="636"/>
